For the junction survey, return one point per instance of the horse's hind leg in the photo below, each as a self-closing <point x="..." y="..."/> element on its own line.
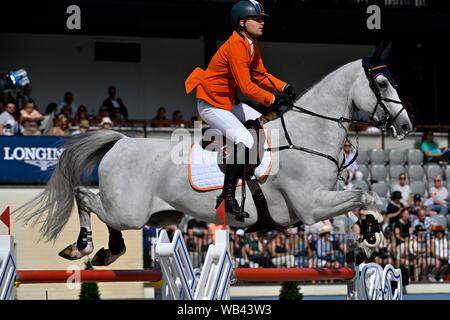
<point x="116" y="248"/>
<point x="84" y="245"/>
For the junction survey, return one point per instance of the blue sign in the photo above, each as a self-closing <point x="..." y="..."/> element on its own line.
<point x="30" y="160"/>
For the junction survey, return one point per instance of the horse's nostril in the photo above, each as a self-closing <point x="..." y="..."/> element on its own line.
<point x="405" y="127"/>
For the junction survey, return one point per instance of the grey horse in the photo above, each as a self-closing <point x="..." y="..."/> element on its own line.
<point x="140" y="184"/>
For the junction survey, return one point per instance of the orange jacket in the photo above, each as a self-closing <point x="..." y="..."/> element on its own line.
<point x="234" y="66"/>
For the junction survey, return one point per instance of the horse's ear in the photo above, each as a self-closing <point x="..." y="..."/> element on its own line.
<point x="375" y="58"/>
<point x="385" y="53"/>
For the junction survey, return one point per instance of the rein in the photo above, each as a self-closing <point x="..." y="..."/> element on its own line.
<point x="383" y="124"/>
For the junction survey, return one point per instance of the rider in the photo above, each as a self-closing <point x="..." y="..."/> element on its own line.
<point x="237" y="64"/>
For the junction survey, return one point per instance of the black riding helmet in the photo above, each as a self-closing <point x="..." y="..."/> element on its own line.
<point x="245" y="9"/>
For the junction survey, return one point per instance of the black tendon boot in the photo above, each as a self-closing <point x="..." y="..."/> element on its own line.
<point x="232" y="173"/>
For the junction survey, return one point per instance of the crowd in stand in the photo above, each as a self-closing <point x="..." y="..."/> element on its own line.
<point x="21" y="115"/>
<point x="422" y="251"/>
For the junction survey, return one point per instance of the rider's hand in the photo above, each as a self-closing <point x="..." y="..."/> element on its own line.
<point x="281" y="100"/>
<point x="290" y="92"/>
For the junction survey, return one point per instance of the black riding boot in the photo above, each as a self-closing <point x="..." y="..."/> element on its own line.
<point x="232" y="173"/>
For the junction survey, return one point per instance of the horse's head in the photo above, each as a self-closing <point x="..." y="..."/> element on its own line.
<point x="375" y="92"/>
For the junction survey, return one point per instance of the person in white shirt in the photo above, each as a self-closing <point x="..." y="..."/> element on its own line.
<point x="405" y="190"/>
<point x="68" y="101"/>
<point x="8" y="124"/>
<point x="439" y="195"/>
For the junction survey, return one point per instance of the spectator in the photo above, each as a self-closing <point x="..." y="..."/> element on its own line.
<point x="422" y="220"/>
<point x="47" y="122"/>
<point x="402" y="232"/>
<point x="301" y="248"/>
<point x="106" y="123"/>
<point x="431" y="150"/>
<point x="160" y="119"/>
<point x="383" y="255"/>
<point x="439" y="254"/>
<point x="8" y="123"/>
<point x="61" y="127"/>
<point x="30" y="119"/>
<point x="392" y="211"/>
<point x="68" y="101"/>
<point x="416" y="204"/>
<point x="327" y="251"/>
<point x="280" y="251"/>
<point x="177" y="119"/>
<point x="116" y="108"/>
<point x="194" y="247"/>
<point x="25" y="97"/>
<point x="353" y="168"/>
<point x="254" y="248"/>
<point x="82" y="114"/>
<point x="199" y="228"/>
<point x="102" y="113"/>
<point x="405" y="190"/>
<point x="83" y="127"/>
<point x="238" y="248"/>
<point x="67" y="112"/>
<point x="419" y="249"/>
<point x="439" y="195"/>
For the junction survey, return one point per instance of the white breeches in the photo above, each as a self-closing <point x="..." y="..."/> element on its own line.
<point x="229" y="123"/>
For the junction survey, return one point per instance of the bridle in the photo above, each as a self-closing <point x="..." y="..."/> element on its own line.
<point x="387" y="121"/>
<point x="371" y="74"/>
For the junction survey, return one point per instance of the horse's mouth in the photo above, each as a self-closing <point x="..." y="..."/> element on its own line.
<point x="403" y="132"/>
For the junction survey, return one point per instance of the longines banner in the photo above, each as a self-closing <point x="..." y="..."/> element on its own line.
<point x="29" y="160"/>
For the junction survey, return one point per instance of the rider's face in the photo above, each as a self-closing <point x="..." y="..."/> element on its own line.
<point x="254" y="26"/>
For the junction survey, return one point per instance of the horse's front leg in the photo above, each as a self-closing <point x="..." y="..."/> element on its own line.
<point x="328" y="204"/>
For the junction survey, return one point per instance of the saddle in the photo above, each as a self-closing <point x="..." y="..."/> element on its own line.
<point x="253" y="157"/>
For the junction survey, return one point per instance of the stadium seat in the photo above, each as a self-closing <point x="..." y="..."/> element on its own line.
<point x="415" y="157"/>
<point x="381" y="188"/>
<point x="418" y="187"/>
<point x="447" y="172"/>
<point x="433" y="170"/>
<point x="364" y="170"/>
<point x="397" y="157"/>
<point x="416" y="173"/>
<point x="395" y="171"/>
<point x="361" y="185"/>
<point x="378" y="172"/>
<point x="363" y="157"/>
<point x="378" y="156"/>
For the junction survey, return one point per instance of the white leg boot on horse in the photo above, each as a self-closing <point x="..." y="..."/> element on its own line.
<point x="84" y="245"/>
<point x="328" y="203"/>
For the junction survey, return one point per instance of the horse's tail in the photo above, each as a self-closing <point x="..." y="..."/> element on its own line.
<point x="81" y="154"/>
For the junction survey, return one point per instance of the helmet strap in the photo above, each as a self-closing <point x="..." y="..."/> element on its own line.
<point x="245" y="33"/>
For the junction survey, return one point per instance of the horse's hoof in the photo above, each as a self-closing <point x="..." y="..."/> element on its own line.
<point x="104" y="257"/>
<point x="378" y="240"/>
<point x="71" y="252"/>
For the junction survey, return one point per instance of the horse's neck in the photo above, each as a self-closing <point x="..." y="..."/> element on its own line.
<point x="330" y="97"/>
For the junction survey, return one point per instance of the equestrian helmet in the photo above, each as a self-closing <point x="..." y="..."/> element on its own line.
<point x="245" y="9"/>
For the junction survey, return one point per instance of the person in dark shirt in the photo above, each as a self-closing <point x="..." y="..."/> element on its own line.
<point x="116" y="108"/>
<point x="392" y="211"/>
<point x="199" y="227"/>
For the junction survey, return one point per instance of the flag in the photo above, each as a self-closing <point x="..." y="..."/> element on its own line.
<point x="220" y="212"/>
<point x="5" y="218"/>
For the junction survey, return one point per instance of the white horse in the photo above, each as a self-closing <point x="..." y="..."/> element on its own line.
<point x="139" y="184"/>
